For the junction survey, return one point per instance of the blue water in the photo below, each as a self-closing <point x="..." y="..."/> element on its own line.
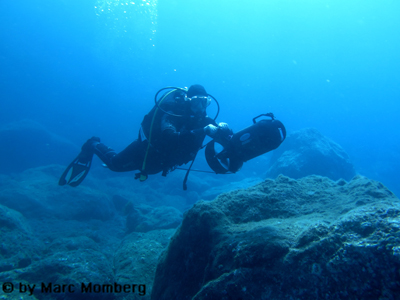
<point x="86" y="67"/>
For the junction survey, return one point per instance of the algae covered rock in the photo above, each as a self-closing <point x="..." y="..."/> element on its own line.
<point x="145" y="218"/>
<point x="311" y="238"/>
<point x="78" y="270"/>
<point x="136" y="259"/>
<point x="18" y="246"/>
<point x="308" y="152"/>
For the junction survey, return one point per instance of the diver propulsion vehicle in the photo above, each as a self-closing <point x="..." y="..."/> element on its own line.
<point x="261" y="137"/>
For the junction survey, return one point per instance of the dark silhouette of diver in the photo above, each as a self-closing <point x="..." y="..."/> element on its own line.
<point x="170" y="135"/>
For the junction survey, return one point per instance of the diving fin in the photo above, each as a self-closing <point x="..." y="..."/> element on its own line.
<point x="77" y="170"/>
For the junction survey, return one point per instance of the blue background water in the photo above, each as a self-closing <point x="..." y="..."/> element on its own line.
<point x="84" y="68"/>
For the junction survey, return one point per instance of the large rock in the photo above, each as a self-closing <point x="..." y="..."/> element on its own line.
<point x="136" y="259"/>
<point x="19" y="247"/>
<point x="311" y="238"/>
<point x="308" y="152"/>
<point x="144" y="218"/>
<point x="79" y="259"/>
<point x="73" y="268"/>
<point x="27" y="144"/>
<point x="69" y="236"/>
<point x="212" y="192"/>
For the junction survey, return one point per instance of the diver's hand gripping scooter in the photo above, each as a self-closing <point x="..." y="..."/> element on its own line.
<point x="261" y="137"/>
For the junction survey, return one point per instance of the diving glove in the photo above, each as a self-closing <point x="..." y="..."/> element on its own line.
<point x="211" y="130"/>
<point x="222" y="129"/>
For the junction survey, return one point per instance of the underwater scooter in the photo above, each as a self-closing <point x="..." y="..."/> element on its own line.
<point x="255" y="140"/>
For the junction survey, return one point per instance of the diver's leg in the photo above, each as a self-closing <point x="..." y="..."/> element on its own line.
<point x="129" y="159"/>
<point x="105" y="153"/>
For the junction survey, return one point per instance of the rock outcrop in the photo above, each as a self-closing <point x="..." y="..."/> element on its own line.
<point x="280" y="239"/>
<point x="307" y="152"/>
<point x="311" y="238"/>
<point x="73" y="236"/>
<point x="19" y="247"/>
<point x="143" y="218"/>
<point x="136" y="260"/>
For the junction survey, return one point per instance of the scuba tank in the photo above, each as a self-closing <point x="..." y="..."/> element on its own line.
<point x="261" y="137"/>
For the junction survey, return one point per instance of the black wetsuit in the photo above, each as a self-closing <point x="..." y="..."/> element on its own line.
<point x="174" y="140"/>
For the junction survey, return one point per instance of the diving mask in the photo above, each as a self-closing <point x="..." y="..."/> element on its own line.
<point x="199" y="102"/>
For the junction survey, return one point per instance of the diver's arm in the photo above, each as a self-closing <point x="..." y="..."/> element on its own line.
<point x="172" y="138"/>
<point x="221" y="133"/>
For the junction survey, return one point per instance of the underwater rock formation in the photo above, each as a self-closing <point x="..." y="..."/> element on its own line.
<point x="70" y="236"/>
<point x="308" y="152"/>
<point x="79" y="259"/>
<point x="144" y="218"/>
<point x="136" y="259"/>
<point x="18" y="245"/>
<point x="311" y="238"/>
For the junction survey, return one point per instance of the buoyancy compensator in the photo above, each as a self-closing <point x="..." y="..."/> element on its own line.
<point x="261" y="137"/>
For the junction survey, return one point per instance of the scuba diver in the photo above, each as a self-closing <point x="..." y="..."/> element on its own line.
<point x="170" y="135"/>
